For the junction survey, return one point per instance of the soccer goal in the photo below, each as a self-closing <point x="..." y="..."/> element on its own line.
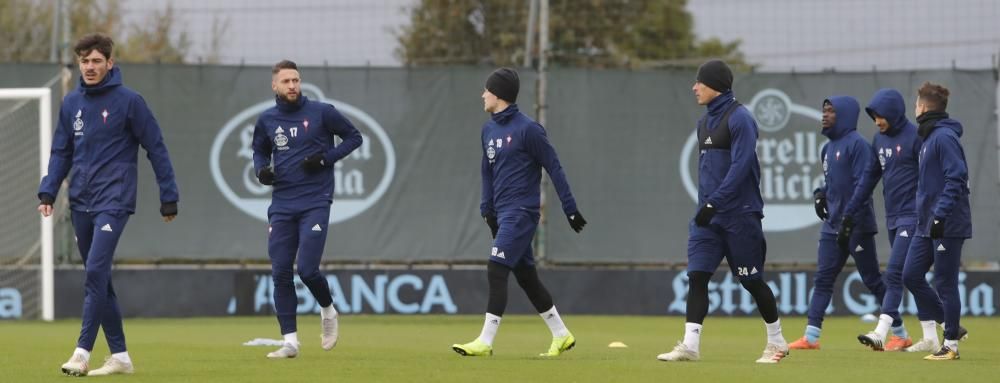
<point x="26" y="245"/>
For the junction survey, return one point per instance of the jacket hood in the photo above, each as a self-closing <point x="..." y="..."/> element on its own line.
<point x="847" y="110"/>
<point x="889" y="104"/>
<point x="951" y="124"/>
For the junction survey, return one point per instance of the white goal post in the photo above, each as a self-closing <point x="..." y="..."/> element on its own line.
<point x="44" y="98"/>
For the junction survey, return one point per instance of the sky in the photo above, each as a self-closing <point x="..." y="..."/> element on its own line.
<point x="778" y="35"/>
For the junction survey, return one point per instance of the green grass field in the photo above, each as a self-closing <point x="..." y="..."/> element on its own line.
<point x="417" y="349"/>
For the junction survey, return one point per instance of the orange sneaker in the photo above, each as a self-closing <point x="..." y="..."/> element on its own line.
<point x="898" y="344"/>
<point x="803" y="344"/>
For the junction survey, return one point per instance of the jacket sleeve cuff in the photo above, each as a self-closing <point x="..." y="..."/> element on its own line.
<point x="46" y="198"/>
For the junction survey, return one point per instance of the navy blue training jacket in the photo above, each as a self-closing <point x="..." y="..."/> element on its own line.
<point x="98" y="136"/>
<point x="290" y="132"/>
<point x="845" y="159"/>
<point x="515" y="149"/>
<point x="894" y="161"/>
<point x="729" y="175"/>
<point x="943" y="188"/>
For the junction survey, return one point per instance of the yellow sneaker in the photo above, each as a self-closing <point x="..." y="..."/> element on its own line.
<point x="945" y="353"/>
<point x="474" y="348"/>
<point x="559" y="345"/>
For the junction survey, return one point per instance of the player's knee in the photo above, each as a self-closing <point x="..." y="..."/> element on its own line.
<point x="97" y="276"/>
<point x="944" y="284"/>
<point x="497" y="273"/>
<point x="280" y="276"/>
<point x="310" y="274"/>
<point x="526" y="277"/>
<point x="699" y="278"/>
<point x="913" y="280"/>
<point x="894" y="279"/>
<point x="872" y="281"/>
<point x="753" y="284"/>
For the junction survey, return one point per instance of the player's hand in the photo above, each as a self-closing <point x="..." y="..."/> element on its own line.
<point x="820" y="205"/>
<point x="705" y="214"/>
<point x="266" y="176"/>
<point x="45" y="204"/>
<point x="576" y="221"/>
<point x="844" y="234"/>
<point x="937" y="228"/>
<point x="168" y="210"/>
<point x="491" y="221"/>
<point x="314" y="163"/>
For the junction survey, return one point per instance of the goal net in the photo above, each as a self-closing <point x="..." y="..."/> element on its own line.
<point x="26" y="252"/>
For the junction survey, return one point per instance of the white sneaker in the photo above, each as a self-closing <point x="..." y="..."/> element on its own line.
<point x="113" y="366"/>
<point x="924" y="345"/>
<point x="75" y="366"/>
<point x="287" y="350"/>
<point x="773" y="353"/>
<point x="329" y="335"/>
<point x="680" y="353"/>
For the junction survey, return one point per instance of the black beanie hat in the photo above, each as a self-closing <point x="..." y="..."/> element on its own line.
<point x="504" y="84"/>
<point x="716" y="75"/>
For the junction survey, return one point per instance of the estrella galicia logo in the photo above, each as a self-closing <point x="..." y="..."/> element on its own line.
<point x="788" y="147"/>
<point x="361" y="178"/>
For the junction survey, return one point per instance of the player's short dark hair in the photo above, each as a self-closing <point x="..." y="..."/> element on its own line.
<point x="935" y="96"/>
<point x="284" y="64"/>
<point x="92" y="42"/>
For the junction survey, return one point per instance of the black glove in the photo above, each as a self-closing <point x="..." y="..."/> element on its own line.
<point x="314" y="163"/>
<point x="937" y="228"/>
<point x="844" y="235"/>
<point x="576" y="221"/>
<point x="820" y="205"/>
<point x="266" y="176"/>
<point x="705" y="214"/>
<point x="46" y="199"/>
<point x="491" y="221"/>
<point x="168" y="208"/>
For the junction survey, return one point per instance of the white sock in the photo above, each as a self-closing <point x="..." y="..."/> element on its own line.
<point x="490" y="327"/>
<point x="82" y="352"/>
<point x="884" y="324"/>
<point x="292" y="338"/>
<point x="952" y="344"/>
<point x="692" y="336"/>
<point x="930" y="330"/>
<point x="555" y="322"/>
<point x="122" y="357"/>
<point x="328" y="311"/>
<point x="774" y="335"/>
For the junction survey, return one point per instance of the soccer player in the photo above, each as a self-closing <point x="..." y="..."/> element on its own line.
<point x="895" y="148"/>
<point x="294" y="150"/>
<point x="515" y="149"/>
<point x="845" y="159"/>
<point x="944" y="222"/>
<point x="730" y="208"/>
<point x="101" y="126"/>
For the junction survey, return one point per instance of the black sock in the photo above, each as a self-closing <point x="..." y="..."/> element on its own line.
<point x="697" y="299"/>
<point x="527" y="278"/>
<point x="497" y="276"/>
<point x="764" y="297"/>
